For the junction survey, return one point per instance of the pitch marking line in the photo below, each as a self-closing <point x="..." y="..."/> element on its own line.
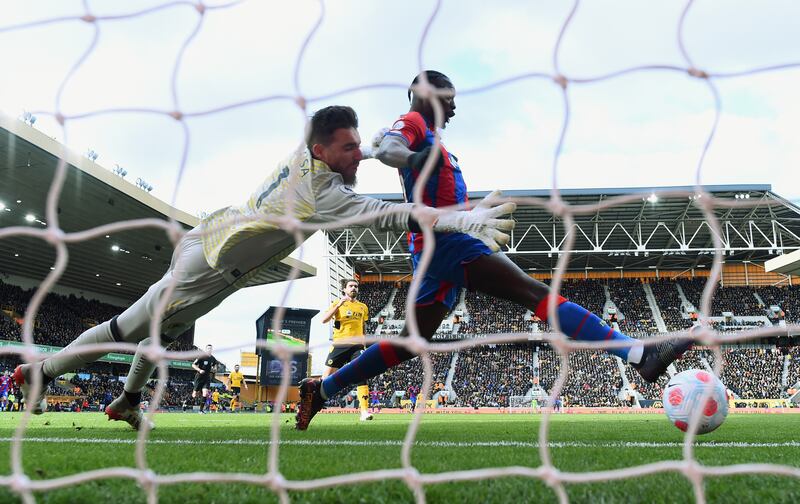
<point x="432" y="444"/>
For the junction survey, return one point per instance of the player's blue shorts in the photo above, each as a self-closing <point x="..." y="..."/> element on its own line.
<point x="4" y="395"/>
<point x="446" y="274"/>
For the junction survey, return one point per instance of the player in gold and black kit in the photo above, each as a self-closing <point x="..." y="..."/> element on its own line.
<point x="349" y="316"/>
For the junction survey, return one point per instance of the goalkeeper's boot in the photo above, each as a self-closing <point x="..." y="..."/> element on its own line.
<point x="311" y="402"/>
<point x="656" y="358"/>
<point x="121" y="409"/>
<point x="23" y="378"/>
<point x="366" y="415"/>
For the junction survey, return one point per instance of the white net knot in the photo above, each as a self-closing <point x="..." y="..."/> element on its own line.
<point x="59" y="117"/>
<point x="176" y="114"/>
<point x="703" y="335"/>
<point x="556" y="207"/>
<point x="54" y="235"/>
<point x="29" y="355"/>
<point x="20" y="483"/>
<point x="411" y="477"/>
<point x="300" y="101"/>
<point x="282" y="351"/>
<point x="561" y="81"/>
<point x="693" y="471"/>
<point x="147" y="478"/>
<point x="153" y="353"/>
<point x="200" y="7"/>
<point x="276" y="482"/>
<point x="89" y="18"/>
<point x="416" y="344"/>
<point x="551" y="476"/>
<point x="696" y="72"/>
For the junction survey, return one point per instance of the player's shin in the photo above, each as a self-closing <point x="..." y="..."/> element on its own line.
<point x="580" y="324"/>
<point x="374" y="361"/>
<point x="140" y="372"/>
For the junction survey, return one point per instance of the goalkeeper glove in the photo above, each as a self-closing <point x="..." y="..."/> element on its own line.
<point x="417" y="160"/>
<point x="481" y="222"/>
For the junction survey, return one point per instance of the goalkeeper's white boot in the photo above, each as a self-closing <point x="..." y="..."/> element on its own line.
<point x="366" y="415"/>
<point x="22" y="379"/>
<point x="121" y="409"/>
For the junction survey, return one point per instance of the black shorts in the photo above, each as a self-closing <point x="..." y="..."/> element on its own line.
<point x="341" y="355"/>
<point x="201" y="382"/>
<point x="236" y="390"/>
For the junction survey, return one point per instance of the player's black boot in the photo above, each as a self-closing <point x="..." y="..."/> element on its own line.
<point x="658" y="357"/>
<point x="311" y="402"/>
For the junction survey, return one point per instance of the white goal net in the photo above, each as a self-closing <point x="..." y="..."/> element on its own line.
<point x="96" y="23"/>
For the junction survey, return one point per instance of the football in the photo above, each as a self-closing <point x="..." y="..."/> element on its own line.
<point x="683" y="394"/>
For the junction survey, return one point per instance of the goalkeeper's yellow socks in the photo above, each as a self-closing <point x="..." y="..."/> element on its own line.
<point x="363" y="397"/>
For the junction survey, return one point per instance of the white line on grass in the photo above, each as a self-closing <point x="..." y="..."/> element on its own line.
<point x="433" y="444"/>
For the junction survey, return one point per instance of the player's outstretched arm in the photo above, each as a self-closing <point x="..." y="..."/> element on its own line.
<point x="483" y="222"/>
<point x="335" y="201"/>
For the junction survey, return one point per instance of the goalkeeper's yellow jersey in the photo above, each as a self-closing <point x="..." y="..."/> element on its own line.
<point x="236" y="379"/>
<point x="244" y="242"/>
<point x="349" y="320"/>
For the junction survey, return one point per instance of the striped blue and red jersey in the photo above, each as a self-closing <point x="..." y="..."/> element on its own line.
<point x="445" y="187"/>
<point x="5" y="384"/>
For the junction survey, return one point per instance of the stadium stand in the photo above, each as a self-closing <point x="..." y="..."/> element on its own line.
<point x="399" y="303"/>
<point x="669" y="303"/>
<point x="490" y="375"/>
<point x="375" y="295"/>
<point x="489" y="315"/>
<point x="629" y="297"/>
<point x="483" y="376"/>
<point x="753" y="373"/>
<point x="787" y="298"/>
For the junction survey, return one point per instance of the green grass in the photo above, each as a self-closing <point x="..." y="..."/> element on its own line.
<point x="591" y="443"/>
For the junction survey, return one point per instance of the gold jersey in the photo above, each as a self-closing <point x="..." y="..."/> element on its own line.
<point x="349" y="320"/>
<point x="236" y="379"/>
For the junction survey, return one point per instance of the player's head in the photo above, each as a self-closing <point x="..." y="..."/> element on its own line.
<point x="424" y="105"/>
<point x="209" y="348"/>
<point x="236" y="367"/>
<point x="350" y="287"/>
<point x="333" y="138"/>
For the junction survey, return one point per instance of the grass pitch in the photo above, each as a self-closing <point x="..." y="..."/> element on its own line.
<point x="62" y="444"/>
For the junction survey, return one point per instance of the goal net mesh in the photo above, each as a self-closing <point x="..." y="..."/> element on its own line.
<point x="52" y="235"/>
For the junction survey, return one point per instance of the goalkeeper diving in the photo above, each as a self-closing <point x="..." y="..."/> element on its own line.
<point x="239" y="246"/>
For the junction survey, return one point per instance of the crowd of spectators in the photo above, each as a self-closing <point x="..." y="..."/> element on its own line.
<point x="753" y="373"/>
<point x="488" y="315"/>
<point x="490" y="375"/>
<point x="399" y="302"/>
<point x="375" y="295"/>
<point x="59" y="320"/>
<point x="630" y="299"/>
<point x="669" y="304"/>
<point x="786" y="297"/>
<point x="593" y="379"/>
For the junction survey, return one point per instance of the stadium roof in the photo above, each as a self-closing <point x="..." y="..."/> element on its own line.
<point x="664" y="231"/>
<point x="92" y="196"/>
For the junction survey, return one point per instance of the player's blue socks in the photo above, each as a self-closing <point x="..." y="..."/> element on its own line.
<point x="374" y="361"/>
<point x="580" y="324"/>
